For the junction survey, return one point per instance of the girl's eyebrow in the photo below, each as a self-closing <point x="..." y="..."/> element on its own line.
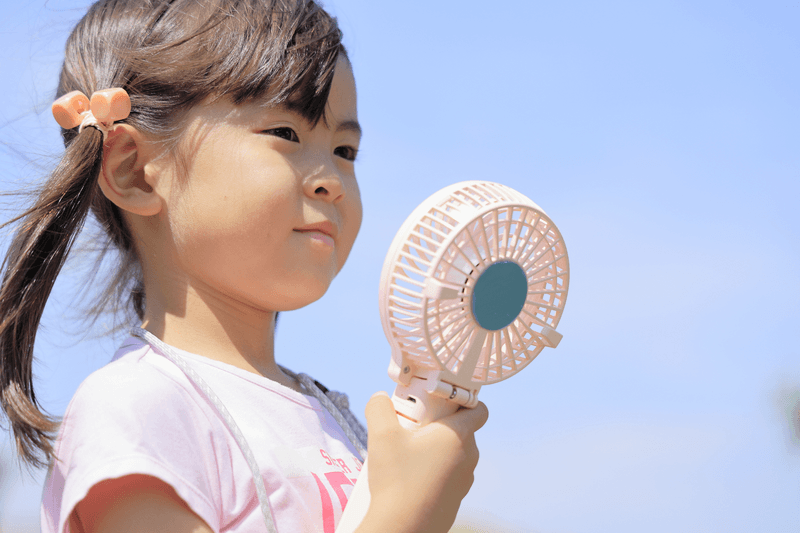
<point x="347" y="125"/>
<point x="350" y="125"/>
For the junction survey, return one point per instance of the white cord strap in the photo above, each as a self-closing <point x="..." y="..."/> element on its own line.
<point x="337" y="405"/>
<point x="334" y="402"/>
<point x="167" y="351"/>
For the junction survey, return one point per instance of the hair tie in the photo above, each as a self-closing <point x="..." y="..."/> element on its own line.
<point x="105" y="108"/>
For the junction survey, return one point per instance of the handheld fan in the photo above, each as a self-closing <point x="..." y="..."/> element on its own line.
<point x="472" y="290"/>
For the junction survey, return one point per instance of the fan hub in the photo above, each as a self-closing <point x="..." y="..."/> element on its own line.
<point x="499" y="295"/>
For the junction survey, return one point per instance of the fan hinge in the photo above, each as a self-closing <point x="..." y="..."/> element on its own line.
<point x="401" y="372"/>
<point x="454" y="393"/>
<point x="416" y="380"/>
<point x="431" y="382"/>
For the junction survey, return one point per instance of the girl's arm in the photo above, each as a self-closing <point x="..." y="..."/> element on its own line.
<point x="135" y="504"/>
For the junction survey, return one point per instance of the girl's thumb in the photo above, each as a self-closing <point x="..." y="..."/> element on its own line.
<point x="380" y="414"/>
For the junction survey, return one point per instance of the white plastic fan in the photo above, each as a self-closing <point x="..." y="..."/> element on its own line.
<point x="472" y="290"/>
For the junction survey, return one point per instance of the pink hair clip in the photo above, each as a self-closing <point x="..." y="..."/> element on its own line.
<point x="105" y="108"/>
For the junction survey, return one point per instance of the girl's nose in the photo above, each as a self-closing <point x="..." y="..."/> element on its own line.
<point x="324" y="184"/>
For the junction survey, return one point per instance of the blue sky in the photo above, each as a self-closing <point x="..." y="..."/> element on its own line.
<point x="661" y="137"/>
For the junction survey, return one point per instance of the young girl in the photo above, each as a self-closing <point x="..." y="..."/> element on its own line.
<point x="229" y="192"/>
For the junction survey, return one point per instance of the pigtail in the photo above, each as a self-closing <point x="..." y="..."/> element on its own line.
<point x="35" y="257"/>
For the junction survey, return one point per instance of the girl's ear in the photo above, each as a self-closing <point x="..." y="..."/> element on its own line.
<point x="127" y="178"/>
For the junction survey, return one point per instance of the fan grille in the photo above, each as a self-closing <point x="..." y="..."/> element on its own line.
<point x="470" y="227"/>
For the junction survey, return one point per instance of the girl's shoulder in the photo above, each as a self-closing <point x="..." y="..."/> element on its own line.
<point x="137" y="415"/>
<point x="134" y="383"/>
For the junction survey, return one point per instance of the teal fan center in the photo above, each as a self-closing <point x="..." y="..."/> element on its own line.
<point x="499" y="295"/>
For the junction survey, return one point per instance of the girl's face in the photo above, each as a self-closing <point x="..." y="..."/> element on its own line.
<point x="269" y="207"/>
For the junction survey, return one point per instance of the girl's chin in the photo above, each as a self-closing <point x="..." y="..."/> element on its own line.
<point x="290" y="293"/>
<point x="307" y="295"/>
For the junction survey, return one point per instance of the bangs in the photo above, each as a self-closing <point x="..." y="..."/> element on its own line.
<point x="279" y="53"/>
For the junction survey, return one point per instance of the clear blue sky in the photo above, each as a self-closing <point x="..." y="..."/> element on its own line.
<point x="663" y="138"/>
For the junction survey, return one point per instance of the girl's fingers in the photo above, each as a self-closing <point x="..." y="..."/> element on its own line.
<point x="380" y="414"/>
<point x="478" y="416"/>
<point x="467" y="421"/>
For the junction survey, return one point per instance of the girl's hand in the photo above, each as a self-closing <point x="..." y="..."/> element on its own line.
<point x="418" y="478"/>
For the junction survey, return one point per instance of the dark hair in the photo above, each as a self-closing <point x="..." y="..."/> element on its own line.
<point x="169" y="55"/>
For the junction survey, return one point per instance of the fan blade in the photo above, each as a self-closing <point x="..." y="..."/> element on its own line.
<point x="437" y="290"/>
<point x="472" y="354"/>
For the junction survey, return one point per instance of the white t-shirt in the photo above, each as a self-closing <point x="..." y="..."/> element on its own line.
<point x="141" y="415"/>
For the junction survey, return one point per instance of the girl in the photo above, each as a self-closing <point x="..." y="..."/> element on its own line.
<point x="229" y="192"/>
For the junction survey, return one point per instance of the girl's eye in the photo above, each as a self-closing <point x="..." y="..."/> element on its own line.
<point x="284" y="133"/>
<point x="346" y="152"/>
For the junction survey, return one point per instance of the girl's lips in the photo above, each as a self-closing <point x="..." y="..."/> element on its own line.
<point x="325" y="228"/>
<point x="318" y="236"/>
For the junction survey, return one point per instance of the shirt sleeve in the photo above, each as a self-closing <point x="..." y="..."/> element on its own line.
<point x="132" y="418"/>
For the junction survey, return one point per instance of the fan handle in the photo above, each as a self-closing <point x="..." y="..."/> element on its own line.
<point x="415" y="406"/>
